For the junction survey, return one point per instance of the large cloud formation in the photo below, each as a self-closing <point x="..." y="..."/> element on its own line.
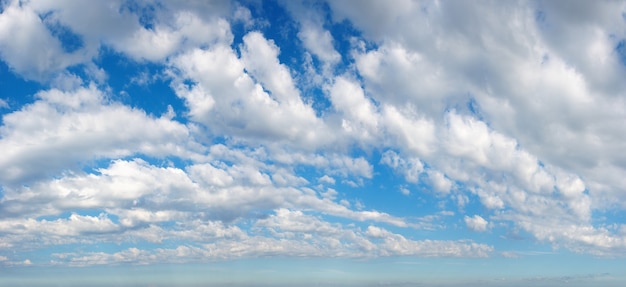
<point x="509" y="116"/>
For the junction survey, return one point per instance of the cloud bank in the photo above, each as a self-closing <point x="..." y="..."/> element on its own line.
<point x="183" y="131"/>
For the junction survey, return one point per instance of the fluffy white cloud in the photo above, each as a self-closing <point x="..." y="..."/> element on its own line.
<point x="411" y="168"/>
<point x="23" y="51"/>
<point x="439" y="181"/>
<point x="226" y="99"/>
<point x="525" y="105"/>
<point x="476" y="223"/>
<point x="173" y="29"/>
<point x="314" y="37"/>
<point x="138" y="193"/>
<point x="409" y="130"/>
<point x="517" y="107"/>
<point x="327" y="179"/>
<point x="359" y="115"/>
<point x="63" y="129"/>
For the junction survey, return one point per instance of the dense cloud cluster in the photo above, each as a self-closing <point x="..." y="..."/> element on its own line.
<point x="508" y="116"/>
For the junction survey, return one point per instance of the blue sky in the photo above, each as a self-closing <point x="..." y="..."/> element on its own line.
<point x="339" y="143"/>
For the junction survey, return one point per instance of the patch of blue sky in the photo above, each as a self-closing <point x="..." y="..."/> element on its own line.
<point x="385" y="191"/>
<point x="141" y="85"/>
<point x="346" y="41"/>
<point x="145" y="11"/>
<point x="70" y="41"/>
<point x="612" y="219"/>
<point x="517" y="244"/>
<point x="93" y="166"/>
<point x="284" y="32"/>
<point x="15" y="90"/>
<point x="540" y="17"/>
<point x="474" y="107"/>
<point x="280" y="29"/>
<point x="620" y="49"/>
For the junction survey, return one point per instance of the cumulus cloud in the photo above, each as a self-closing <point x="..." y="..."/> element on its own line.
<point x="523" y="125"/>
<point x="221" y="84"/>
<point x="314" y="37"/>
<point x="23" y="52"/>
<point x="327" y="179"/>
<point x="63" y="129"/>
<point x="528" y="90"/>
<point x="476" y="223"/>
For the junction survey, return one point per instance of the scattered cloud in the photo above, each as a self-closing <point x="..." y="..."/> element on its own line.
<point x="476" y="223"/>
<point x="513" y="111"/>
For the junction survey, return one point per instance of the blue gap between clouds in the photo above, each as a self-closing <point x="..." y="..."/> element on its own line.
<point x="146" y="12"/>
<point x="611" y="217"/>
<point x="284" y="32"/>
<point x="620" y="49"/>
<point x="70" y="41"/>
<point x="383" y="191"/>
<point x="140" y="85"/>
<point x="14" y="90"/>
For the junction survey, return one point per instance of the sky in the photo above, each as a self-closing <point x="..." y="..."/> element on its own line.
<point x="312" y="143"/>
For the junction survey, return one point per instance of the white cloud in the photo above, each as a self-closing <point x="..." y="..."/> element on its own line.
<point x="526" y="119"/>
<point x="62" y="129"/>
<point x="327" y="179"/>
<point x="439" y="181"/>
<point x="22" y="51"/>
<point x="161" y="194"/>
<point x="409" y="131"/>
<point x="476" y="223"/>
<point x="576" y="236"/>
<point x="260" y="57"/>
<point x="375" y="18"/>
<point x="287" y="233"/>
<point x="395" y="244"/>
<point x="405" y="191"/>
<point x="411" y="168"/>
<point x="175" y="28"/>
<point x="314" y="37"/>
<point x="319" y="42"/>
<point x="243" y="15"/>
<point x="186" y="30"/>
<point x="240" y="107"/>
<point x="359" y="116"/>
<point x="529" y="81"/>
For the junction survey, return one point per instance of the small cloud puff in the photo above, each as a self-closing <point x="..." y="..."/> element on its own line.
<point x="405" y="191"/>
<point x="327" y="179"/>
<point x="476" y="223"/>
